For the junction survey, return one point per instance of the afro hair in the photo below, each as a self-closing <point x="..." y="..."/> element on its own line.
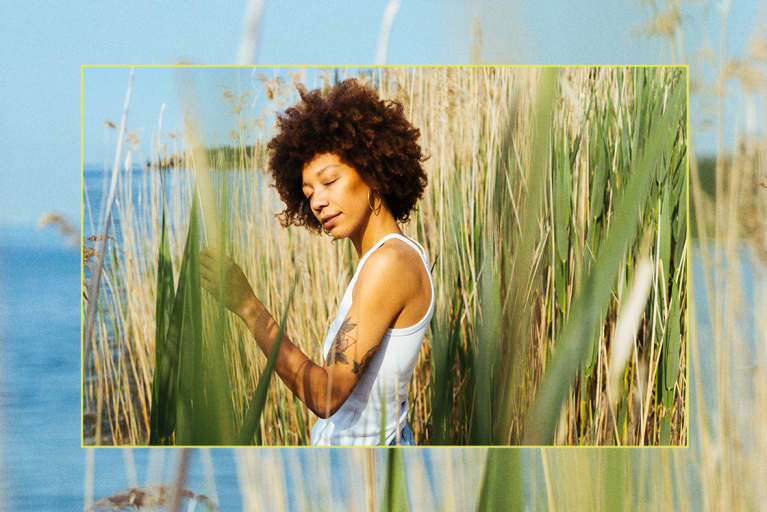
<point x="367" y="133"/>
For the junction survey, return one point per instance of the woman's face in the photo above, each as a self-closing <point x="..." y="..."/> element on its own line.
<point x="337" y="195"/>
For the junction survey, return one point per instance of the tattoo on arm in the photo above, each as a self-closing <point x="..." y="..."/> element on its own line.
<point x="360" y="367"/>
<point x="342" y="342"/>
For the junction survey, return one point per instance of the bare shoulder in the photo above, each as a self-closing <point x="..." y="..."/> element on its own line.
<point x="394" y="262"/>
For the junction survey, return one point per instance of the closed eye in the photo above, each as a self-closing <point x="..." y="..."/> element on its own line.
<point x="309" y="195"/>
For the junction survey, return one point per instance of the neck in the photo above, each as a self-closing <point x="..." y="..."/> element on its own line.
<point x="377" y="227"/>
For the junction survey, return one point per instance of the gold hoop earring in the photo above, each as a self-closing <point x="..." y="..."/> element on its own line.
<point x="371" y="202"/>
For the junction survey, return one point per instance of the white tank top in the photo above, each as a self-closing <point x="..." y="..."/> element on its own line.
<point x="359" y="420"/>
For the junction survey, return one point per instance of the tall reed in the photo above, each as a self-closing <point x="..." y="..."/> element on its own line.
<point x="516" y="211"/>
<point x="722" y="468"/>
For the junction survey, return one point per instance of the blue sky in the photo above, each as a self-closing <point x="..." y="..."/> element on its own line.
<point x="45" y="46"/>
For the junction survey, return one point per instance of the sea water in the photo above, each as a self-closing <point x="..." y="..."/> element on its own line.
<point x="43" y="467"/>
<point x="42" y="463"/>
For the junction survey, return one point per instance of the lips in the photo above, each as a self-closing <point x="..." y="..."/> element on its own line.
<point x="330" y="220"/>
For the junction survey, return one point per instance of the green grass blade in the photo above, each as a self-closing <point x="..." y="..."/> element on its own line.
<point x="502" y="486"/>
<point x="249" y="427"/>
<point x="600" y="166"/>
<point x="671" y="346"/>
<point x="445" y="351"/>
<point x="665" y="232"/>
<point x="189" y="411"/>
<point x="560" y="283"/>
<point x="680" y="219"/>
<point x="615" y="479"/>
<point x="395" y="488"/>
<point x="218" y="406"/>
<point x="179" y="395"/>
<point x="488" y="351"/>
<point x="573" y="343"/>
<point x="512" y="359"/>
<point x="162" y="416"/>
<point x="562" y="192"/>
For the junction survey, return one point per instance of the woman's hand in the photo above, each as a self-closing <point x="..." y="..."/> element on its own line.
<point x="228" y="278"/>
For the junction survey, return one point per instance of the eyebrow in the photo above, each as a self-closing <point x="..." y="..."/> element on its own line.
<point x="304" y="184"/>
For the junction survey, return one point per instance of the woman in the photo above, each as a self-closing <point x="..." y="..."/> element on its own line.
<point x="347" y="163"/>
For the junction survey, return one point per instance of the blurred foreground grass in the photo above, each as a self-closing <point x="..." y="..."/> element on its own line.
<point x="544" y="186"/>
<point x="723" y="467"/>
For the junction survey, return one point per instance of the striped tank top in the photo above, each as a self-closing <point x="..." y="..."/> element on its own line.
<point x="382" y="388"/>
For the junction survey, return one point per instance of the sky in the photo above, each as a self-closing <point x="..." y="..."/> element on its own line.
<point x="46" y="43"/>
<point x="46" y="46"/>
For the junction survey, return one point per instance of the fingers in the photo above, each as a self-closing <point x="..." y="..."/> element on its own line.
<point x="208" y="270"/>
<point x="211" y="267"/>
<point x="208" y="258"/>
<point x="206" y="280"/>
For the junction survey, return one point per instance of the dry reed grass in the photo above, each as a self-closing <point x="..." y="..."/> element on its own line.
<point x="723" y="467"/>
<point x="464" y="116"/>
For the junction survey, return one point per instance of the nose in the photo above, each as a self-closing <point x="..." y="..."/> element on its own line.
<point x="318" y="200"/>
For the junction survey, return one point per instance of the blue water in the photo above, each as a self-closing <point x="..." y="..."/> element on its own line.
<point x="97" y="182"/>
<point x="40" y="370"/>
<point x="42" y="466"/>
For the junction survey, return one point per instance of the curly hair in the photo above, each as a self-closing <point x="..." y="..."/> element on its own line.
<point x="367" y="133"/>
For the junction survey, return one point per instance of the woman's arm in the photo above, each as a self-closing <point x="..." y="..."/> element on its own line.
<point x="375" y="306"/>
